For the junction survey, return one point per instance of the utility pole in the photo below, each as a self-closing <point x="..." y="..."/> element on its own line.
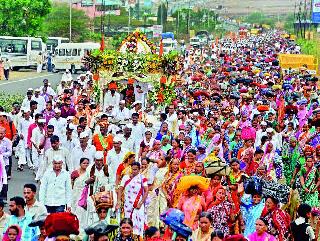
<point x="70" y="20"/>
<point x="188" y="22"/>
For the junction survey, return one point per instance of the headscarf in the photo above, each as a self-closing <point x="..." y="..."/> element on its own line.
<point x="6" y="234"/>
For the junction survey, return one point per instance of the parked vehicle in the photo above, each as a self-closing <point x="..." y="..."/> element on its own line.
<point x="23" y="52"/>
<point x="70" y="55"/>
<point x="53" y="42"/>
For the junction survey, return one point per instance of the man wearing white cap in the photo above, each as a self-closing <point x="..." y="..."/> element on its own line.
<point x="37" y="139"/>
<point x="55" y="189"/>
<point x="122" y="112"/>
<point x="97" y="178"/>
<point x="274" y="138"/>
<point x="260" y="133"/>
<point x="26" y="101"/>
<point x="115" y="157"/>
<point x="84" y="149"/>
<point x="55" y="150"/>
<point x="24" y="153"/>
<point x="59" y="123"/>
<point x="40" y="100"/>
<point x="111" y="98"/>
<point x="128" y="141"/>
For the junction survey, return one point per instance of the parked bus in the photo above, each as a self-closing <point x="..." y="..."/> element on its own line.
<point x="23" y="52"/>
<point x="53" y="42"/>
<point x="69" y="55"/>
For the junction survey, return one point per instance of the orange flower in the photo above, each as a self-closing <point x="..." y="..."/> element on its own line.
<point x="163" y="79"/>
<point x="95" y="77"/>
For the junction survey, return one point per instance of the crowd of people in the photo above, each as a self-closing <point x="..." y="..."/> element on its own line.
<point x="234" y="157"/>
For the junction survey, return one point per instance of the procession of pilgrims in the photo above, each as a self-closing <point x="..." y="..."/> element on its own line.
<point x="234" y="156"/>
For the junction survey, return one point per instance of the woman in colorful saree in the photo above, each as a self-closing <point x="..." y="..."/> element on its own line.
<point x="292" y="160"/>
<point x="126" y="231"/>
<point x="155" y="153"/>
<point x="157" y="199"/>
<point x="272" y="161"/>
<point x="221" y="211"/>
<point x="277" y="219"/>
<point x="203" y="233"/>
<point x="215" y="181"/>
<point x="235" y="182"/>
<point x="191" y="202"/>
<point x="135" y="190"/>
<point x="170" y="182"/>
<point x="125" y="167"/>
<point x="251" y="208"/>
<point x="261" y="232"/>
<point x="309" y="178"/>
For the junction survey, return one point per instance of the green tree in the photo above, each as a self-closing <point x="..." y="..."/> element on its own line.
<point x="259" y="18"/>
<point x="23" y="17"/>
<point x="288" y="24"/>
<point x="57" y="23"/>
<point x="162" y="13"/>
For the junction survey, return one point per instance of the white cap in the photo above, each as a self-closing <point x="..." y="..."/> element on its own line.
<point x="269" y="130"/>
<point x="30" y="89"/>
<point x="56" y="110"/>
<point x="58" y="158"/>
<point x="3" y="113"/>
<point x="42" y="120"/>
<point x="69" y="118"/>
<point x="117" y="138"/>
<point x="84" y="134"/>
<point x="99" y="155"/>
<point x="37" y="90"/>
<point x="136" y="102"/>
<point x="129" y="126"/>
<point x="263" y="123"/>
<point x="122" y="102"/>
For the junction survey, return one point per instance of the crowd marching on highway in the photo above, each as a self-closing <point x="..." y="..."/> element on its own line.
<point x="236" y="156"/>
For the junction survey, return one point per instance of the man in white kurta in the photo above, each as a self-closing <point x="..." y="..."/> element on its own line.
<point x="84" y="149"/>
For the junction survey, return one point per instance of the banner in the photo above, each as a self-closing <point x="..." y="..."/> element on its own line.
<point x="316" y="11"/>
<point x="157" y="31"/>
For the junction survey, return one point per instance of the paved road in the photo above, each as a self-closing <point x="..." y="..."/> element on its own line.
<point x="20" y="86"/>
<point x="18" y="179"/>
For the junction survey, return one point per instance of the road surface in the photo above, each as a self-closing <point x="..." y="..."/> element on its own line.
<point x="20" y="86"/>
<point x="18" y="179"/>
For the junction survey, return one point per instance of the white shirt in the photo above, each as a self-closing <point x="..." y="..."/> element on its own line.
<point x="56" y="190"/>
<point x="50" y="91"/>
<point x="121" y="114"/>
<point x="37" y="209"/>
<point x="77" y="153"/>
<point x="110" y="100"/>
<point x="129" y="143"/>
<point x="26" y="103"/>
<point x="62" y="152"/>
<point x="41" y="103"/>
<point x="138" y="132"/>
<point x="172" y="121"/>
<point x="37" y="137"/>
<point x="101" y="179"/>
<point x="113" y="161"/>
<point x="23" y="129"/>
<point x="60" y="126"/>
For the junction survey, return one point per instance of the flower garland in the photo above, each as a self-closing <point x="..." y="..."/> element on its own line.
<point x="163" y="94"/>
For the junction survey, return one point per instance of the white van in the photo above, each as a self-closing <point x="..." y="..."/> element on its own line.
<point x="53" y="42"/>
<point x="23" y="52"/>
<point x="169" y="45"/>
<point x="70" y="55"/>
<point x="195" y="42"/>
